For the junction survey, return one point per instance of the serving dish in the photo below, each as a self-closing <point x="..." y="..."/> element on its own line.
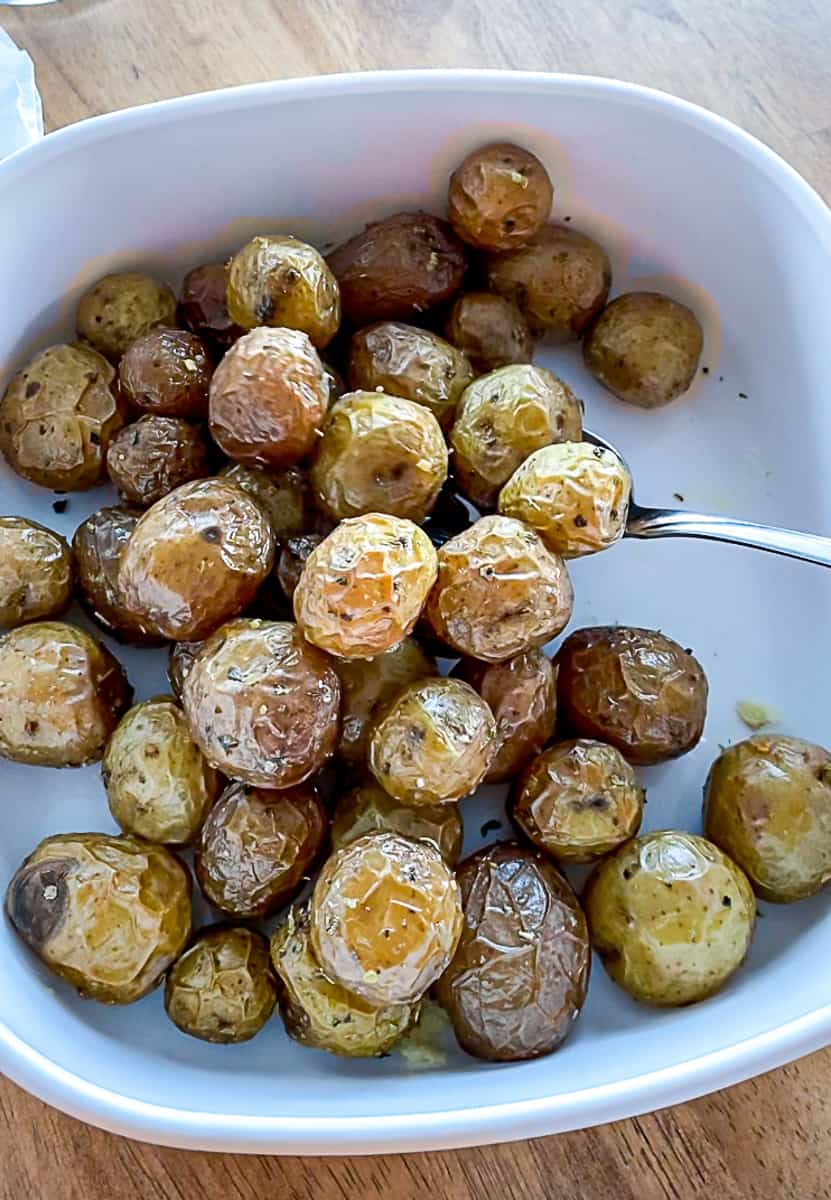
<point x="686" y="203"/>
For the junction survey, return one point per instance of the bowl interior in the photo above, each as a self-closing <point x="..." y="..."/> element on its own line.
<point x="684" y="205"/>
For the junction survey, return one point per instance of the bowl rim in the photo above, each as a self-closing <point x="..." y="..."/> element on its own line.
<point x="490" y="1122"/>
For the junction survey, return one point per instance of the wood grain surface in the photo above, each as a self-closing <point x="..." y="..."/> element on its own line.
<point x="762" y="63"/>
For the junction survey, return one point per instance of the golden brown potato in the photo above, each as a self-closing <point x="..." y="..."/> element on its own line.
<point x="379" y="454"/>
<point x="154" y="455"/>
<point x="767" y="804"/>
<point x="204" y="306"/>
<point x="404" y="360"/>
<point x="97" y="546"/>
<point x="284" y="282"/>
<point x="222" y="989"/>
<point x="196" y="559"/>
<point x="518" y="979"/>
<point x="293" y="557"/>
<point x="122" y="307"/>
<point x="368" y="809"/>
<point x="363" y="588"/>
<point x="180" y="659"/>
<point x="502" y="418"/>
<point x="386" y="918"/>
<point x="435" y="742"/>
<point x="263" y="704"/>
<point x="578" y="801"/>
<point x="559" y="281"/>
<point x="36" y="572"/>
<point x="61" y="695"/>
<point x="57" y="418"/>
<point x="645" y="348"/>
<point x="490" y="331"/>
<point x="258" y="846"/>
<point x="499" y="197"/>
<point x="167" y="372"/>
<point x="522" y="695"/>
<point x="498" y="591"/>
<point x="397" y="268"/>
<point x="576" y="495"/>
<point x="107" y="914"/>
<point x="269" y="396"/>
<point x="159" y="787"/>
<point x="670" y="916"/>
<point x="368" y="685"/>
<point x="282" y="495"/>
<point x="636" y="689"/>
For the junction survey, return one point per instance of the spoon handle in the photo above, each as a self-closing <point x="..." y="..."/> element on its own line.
<point x="668" y="522"/>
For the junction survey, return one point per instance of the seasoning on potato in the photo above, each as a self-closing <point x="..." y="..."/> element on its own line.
<point x="636" y="689"/>
<point x="97" y="546"/>
<point x="204" y="306"/>
<point x="362" y="590"/>
<point x="222" y="989"/>
<point x="61" y="695"/>
<point x="499" y="197"/>
<point x="670" y="916"/>
<point x="385" y="918"/>
<point x="262" y="703"/>
<point x="576" y="495"/>
<point x="367" y="809"/>
<point x="122" y="307"/>
<point x="167" y="372"/>
<point x="490" y="331"/>
<point x="281" y="281"/>
<point x="107" y="914"/>
<point x="518" y="979"/>
<point x="154" y="455"/>
<point x="36" y="572"/>
<point x="159" y="786"/>
<point x="283" y="496"/>
<point x="57" y="418"/>
<point x="195" y="559"/>
<point x="767" y="803"/>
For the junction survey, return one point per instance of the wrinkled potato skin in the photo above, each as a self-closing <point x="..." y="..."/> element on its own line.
<point x="397" y="268"/>
<point x="490" y="331"/>
<point x="180" y="659"/>
<point x="107" y="914"/>
<point x="282" y="495"/>
<point x="502" y="418"/>
<point x="522" y="695"/>
<point x="434" y="744"/>
<point x="636" y="689"/>
<point x="499" y="591"/>
<point x="280" y="281"/>
<point x="204" y="306"/>
<point x="222" y="989"/>
<point x="323" y="1015"/>
<point x="293" y="557"/>
<point x="767" y="803"/>
<point x="670" y="916"/>
<point x="576" y="495"/>
<point x="97" y="546"/>
<point x="559" y="281"/>
<point x="379" y="453"/>
<point x="154" y="455"/>
<point x="159" y="787"/>
<point x="196" y="559"/>
<point x="57" y="418"/>
<point x="367" y="809"/>
<point x="36" y="572"/>
<point x="404" y="360"/>
<point x="61" y="695"/>
<point x="167" y="372"/>
<point x="258" y="846"/>
<point x="499" y="197"/>
<point x="122" y="307"/>
<point x="519" y="976"/>
<point x="363" y="588"/>
<point x="368" y="685"/>
<point x="268" y="398"/>
<point x="279" y="702"/>
<point x="645" y="348"/>
<point x="577" y="801"/>
<point x="385" y="918"/>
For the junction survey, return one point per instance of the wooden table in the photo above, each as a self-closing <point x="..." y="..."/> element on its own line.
<point x="762" y="63"/>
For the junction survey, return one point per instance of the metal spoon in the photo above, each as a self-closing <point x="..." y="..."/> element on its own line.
<point x="674" y="522"/>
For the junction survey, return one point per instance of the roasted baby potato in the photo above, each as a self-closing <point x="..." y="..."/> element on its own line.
<point x="107" y="914"/>
<point x="263" y="704"/>
<point x="97" y="546"/>
<point x="154" y="455"/>
<point x="159" y="787"/>
<point x="490" y="331"/>
<point x="122" y="307"/>
<point x="670" y="916"/>
<point x="518" y="979"/>
<point x="222" y="989"/>
<point x="767" y="804"/>
<point x="36" y="572"/>
<point x="282" y="495"/>
<point x="61" y="695"/>
<point x="282" y="281"/>
<point x="204" y="306"/>
<point x="167" y="372"/>
<point x="293" y="557"/>
<point x="180" y="659"/>
<point x="499" y="197"/>
<point x="636" y="689"/>
<point x="368" y="809"/>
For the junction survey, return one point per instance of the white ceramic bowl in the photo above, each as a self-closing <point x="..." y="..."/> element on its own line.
<point x="684" y="201"/>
